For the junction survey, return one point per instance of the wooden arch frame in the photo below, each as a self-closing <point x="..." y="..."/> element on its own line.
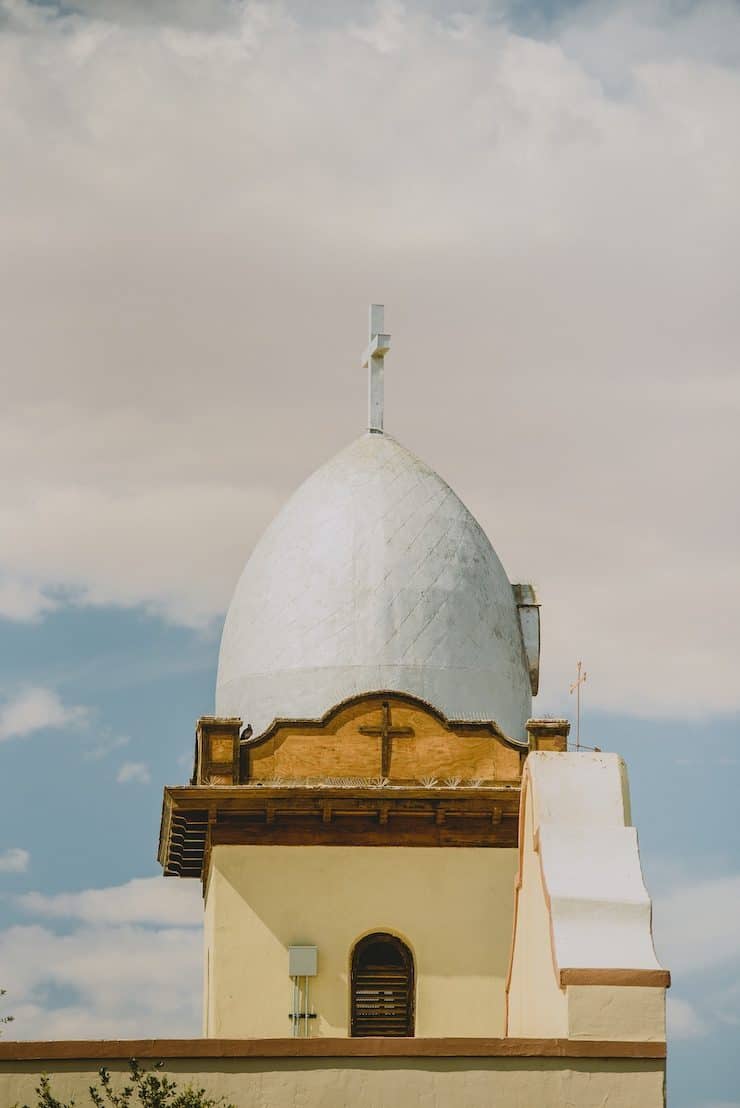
<point x="448" y="723"/>
<point x="382" y="987"/>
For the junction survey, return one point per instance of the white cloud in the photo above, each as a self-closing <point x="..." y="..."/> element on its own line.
<point x="23" y="602"/>
<point x="683" y="1020"/>
<point x="696" y="937"/>
<point x="723" y="1000"/>
<point x="132" y="959"/>
<point x="106" y="746"/>
<point x="14" y="860"/>
<point x="614" y="38"/>
<point x="85" y="532"/>
<point x="695" y="930"/>
<point x="152" y="900"/>
<point x="134" y="771"/>
<point x="696" y="926"/>
<point x="128" y="981"/>
<point x="205" y="219"/>
<point x="36" y="709"/>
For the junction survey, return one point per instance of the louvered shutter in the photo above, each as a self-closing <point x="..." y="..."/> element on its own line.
<point x="382" y="988"/>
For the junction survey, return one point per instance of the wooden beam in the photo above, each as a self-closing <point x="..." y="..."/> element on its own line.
<point x="367" y="831"/>
<point x="237" y="797"/>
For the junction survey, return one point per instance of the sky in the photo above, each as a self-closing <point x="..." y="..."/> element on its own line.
<point x="197" y="203"/>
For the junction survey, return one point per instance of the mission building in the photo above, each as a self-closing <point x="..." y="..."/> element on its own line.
<point x="414" y="892"/>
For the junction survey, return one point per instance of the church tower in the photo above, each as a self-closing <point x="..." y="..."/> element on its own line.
<point x="373" y="812"/>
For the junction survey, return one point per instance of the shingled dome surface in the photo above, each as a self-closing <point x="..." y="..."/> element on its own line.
<point x="373" y="576"/>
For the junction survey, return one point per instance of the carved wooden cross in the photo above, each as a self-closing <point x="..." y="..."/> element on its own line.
<point x="387" y="732"/>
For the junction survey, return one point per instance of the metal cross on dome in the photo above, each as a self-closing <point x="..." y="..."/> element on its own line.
<point x="576" y="688"/>
<point x="386" y="732"/>
<point x="379" y="345"/>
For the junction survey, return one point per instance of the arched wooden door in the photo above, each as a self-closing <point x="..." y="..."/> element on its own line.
<point x="382" y="984"/>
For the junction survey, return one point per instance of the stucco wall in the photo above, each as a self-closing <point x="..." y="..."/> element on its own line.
<point x="583" y="963"/>
<point x="624" y="1013"/>
<point x="376" y="1082"/>
<point x="454" y="908"/>
<point x="537" y="1004"/>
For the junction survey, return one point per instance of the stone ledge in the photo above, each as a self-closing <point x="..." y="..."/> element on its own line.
<point x="639" y="978"/>
<point x="103" y="1049"/>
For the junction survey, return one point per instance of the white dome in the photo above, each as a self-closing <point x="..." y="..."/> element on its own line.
<point x="374" y="576"/>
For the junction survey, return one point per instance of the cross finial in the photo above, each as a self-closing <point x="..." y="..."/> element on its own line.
<point x="379" y="346"/>
<point x="580" y="680"/>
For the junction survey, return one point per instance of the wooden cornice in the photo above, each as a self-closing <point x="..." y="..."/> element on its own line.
<point x="239" y="798"/>
<point x="163" y="1049"/>
<point x="194" y="818"/>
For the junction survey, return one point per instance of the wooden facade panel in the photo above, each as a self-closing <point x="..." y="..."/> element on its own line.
<point x="222" y="748"/>
<point x="419" y="745"/>
<point x="447" y="756"/>
<point x="296" y="754"/>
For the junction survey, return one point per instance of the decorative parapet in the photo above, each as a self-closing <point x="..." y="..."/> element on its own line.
<point x="331" y="1073"/>
<point x="583" y="964"/>
<point x="548" y="734"/>
<point x="217" y="751"/>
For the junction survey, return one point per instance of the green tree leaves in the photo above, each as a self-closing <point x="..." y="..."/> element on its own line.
<point x="145" y="1089"/>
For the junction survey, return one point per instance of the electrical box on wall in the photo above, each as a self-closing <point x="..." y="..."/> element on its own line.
<point x="303" y="961"/>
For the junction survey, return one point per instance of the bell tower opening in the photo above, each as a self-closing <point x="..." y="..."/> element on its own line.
<point x="382" y="984"/>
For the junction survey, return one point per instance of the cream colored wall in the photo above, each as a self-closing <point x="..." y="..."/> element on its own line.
<point x="453" y="906"/>
<point x="368" y="1082"/>
<point x="624" y="1013"/>
<point x="581" y="905"/>
<point x="537" y="1004"/>
<point x="208" y="930"/>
